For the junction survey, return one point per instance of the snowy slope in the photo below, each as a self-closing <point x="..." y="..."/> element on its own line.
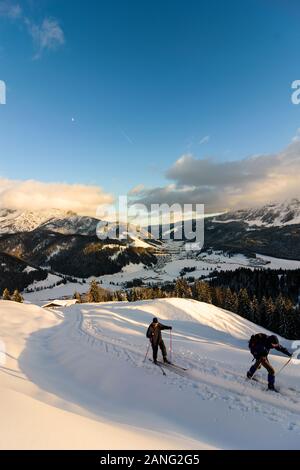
<point x="12" y="221"/>
<point x="276" y="214"/>
<point x="56" y="220"/>
<point x="84" y="369"/>
<point x="64" y="222"/>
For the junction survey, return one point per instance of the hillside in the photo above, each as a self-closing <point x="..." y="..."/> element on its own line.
<point x="238" y="237"/>
<point x="17" y="274"/>
<point x="83" y="367"/>
<point x="270" y="230"/>
<point x="68" y="244"/>
<point x="276" y="214"/>
<point x="74" y="255"/>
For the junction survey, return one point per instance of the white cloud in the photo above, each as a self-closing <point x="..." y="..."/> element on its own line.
<point x="46" y="36"/>
<point x="252" y="181"/>
<point x="37" y="195"/>
<point x="10" y="10"/>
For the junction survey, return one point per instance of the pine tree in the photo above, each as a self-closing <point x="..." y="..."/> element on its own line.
<point x="77" y="297"/>
<point x="93" y="294"/>
<point x="297" y="322"/>
<point x="217" y="297"/>
<point x="133" y="295"/>
<point x="255" y="308"/>
<point x="229" y="300"/>
<point x="235" y="303"/>
<point x="263" y="311"/>
<point x="6" y="295"/>
<point x="159" y="293"/>
<point x="16" y="297"/>
<point x="244" y="304"/>
<point x="202" y="292"/>
<point x="280" y="317"/>
<point x="286" y="321"/>
<point x="270" y="314"/>
<point x="182" y="289"/>
<point x="291" y="320"/>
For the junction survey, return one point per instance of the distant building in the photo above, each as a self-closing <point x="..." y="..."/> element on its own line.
<point x="60" y="303"/>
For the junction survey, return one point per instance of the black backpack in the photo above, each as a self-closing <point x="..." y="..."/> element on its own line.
<point x="255" y="340"/>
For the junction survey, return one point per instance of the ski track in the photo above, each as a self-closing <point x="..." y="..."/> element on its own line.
<point x="209" y="379"/>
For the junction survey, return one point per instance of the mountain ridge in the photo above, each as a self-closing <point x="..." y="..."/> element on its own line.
<point x="274" y="214"/>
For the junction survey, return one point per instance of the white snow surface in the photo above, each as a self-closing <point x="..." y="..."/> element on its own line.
<point x="29" y="269"/>
<point x="76" y="379"/>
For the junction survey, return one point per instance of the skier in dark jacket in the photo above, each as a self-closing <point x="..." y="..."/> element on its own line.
<point x="260" y="345"/>
<point x="154" y="335"/>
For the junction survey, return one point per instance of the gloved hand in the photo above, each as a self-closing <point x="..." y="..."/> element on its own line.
<point x="290" y="354"/>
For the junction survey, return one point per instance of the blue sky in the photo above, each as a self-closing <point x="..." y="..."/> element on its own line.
<point x="125" y="88"/>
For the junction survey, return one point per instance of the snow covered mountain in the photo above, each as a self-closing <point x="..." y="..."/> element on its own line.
<point x="83" y="367"/>
<point x="270" y="215"/>
<point x="65" y="222"/>
<point x="17" y="274"/>
<point x="69" y="223"/>
<point x="272" y="230"/>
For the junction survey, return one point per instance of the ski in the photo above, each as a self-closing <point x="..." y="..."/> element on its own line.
<point x="159" y="365"/>
<point x="255" y="379"/>
<point x="170" y="367"/>
<point x="277" y="390"/>
<point x="263" y="382"/>
<point x="175" y="365"/>
<point x="280" y="389"/>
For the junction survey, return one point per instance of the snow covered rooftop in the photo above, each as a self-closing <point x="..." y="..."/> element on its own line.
<point x="61" y="303"/>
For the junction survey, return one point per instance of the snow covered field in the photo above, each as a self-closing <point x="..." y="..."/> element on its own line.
<point x="76" y="379"/>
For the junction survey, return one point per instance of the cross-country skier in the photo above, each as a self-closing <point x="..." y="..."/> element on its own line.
<point x="154" y="334"/>
<point x="260" y="345"/>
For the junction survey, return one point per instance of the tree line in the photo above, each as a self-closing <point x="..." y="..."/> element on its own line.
<point x="260" y="282"/>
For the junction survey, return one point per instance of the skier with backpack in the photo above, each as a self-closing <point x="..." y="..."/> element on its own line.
<point x="155" y="337"/>
<point x="260" y="345"/>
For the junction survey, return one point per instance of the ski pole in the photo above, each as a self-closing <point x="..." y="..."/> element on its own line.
<point x="171" y="345"/>
<point x="147" y="352"/>
<point x="281" y="369"/>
